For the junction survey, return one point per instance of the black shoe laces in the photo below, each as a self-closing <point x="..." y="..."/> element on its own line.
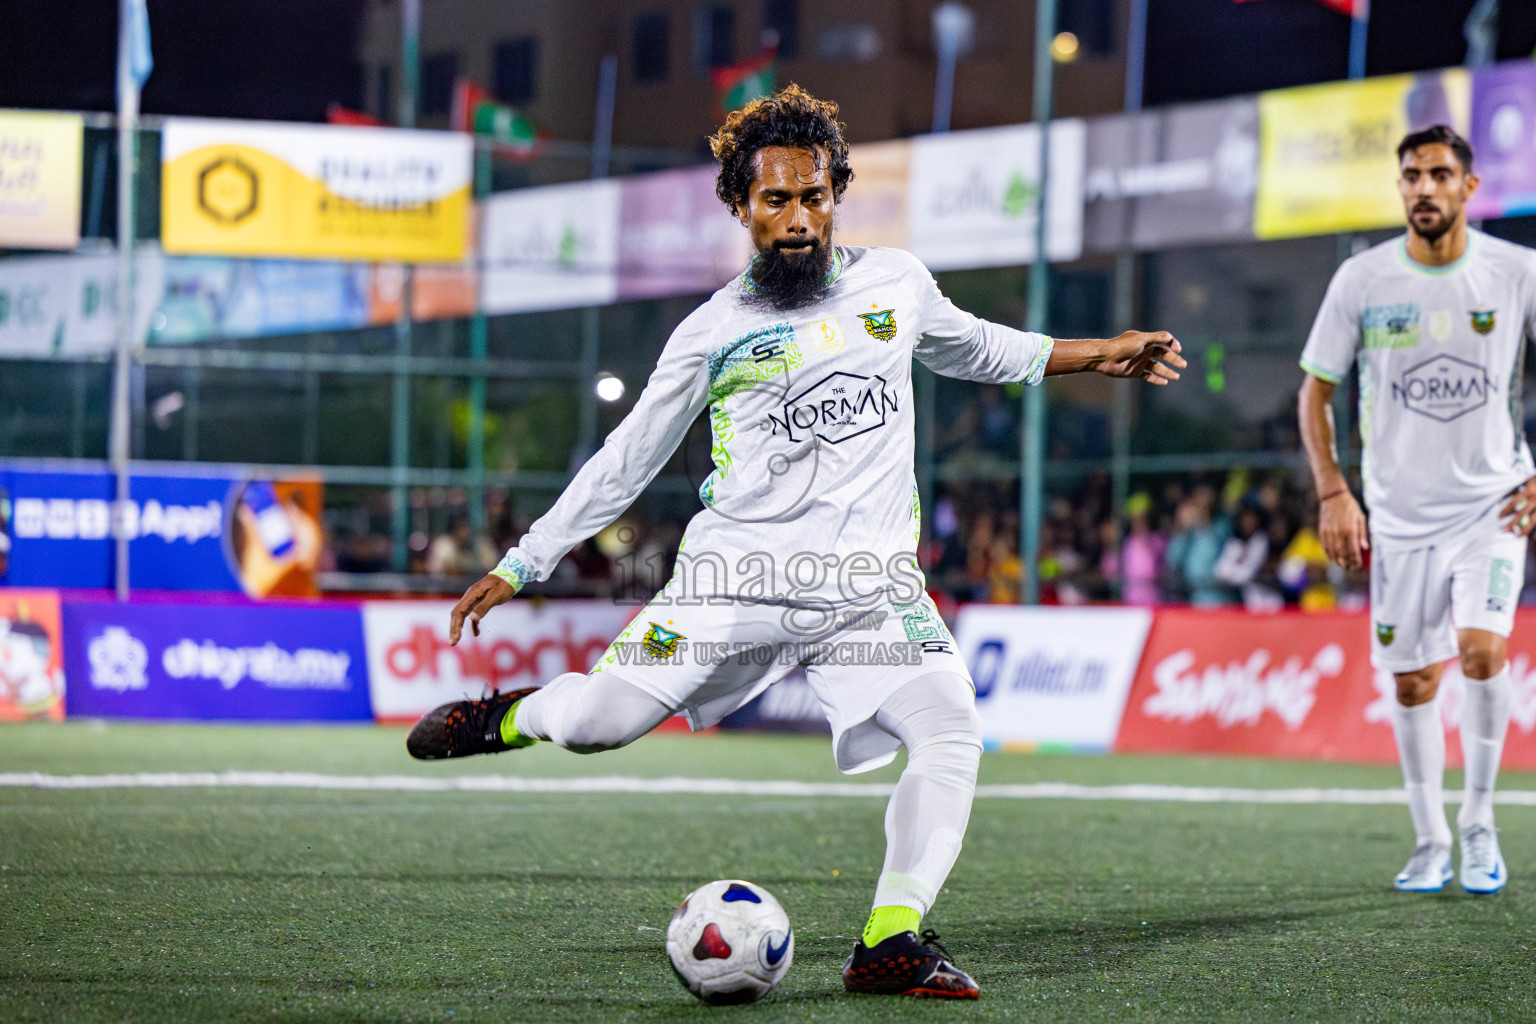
<point x="467" y="732"/>
<point x="930" y="938"/>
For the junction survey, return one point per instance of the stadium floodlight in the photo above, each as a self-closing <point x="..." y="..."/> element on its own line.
<point x="1064" y="48"/>
<point x="609" y="388"/>
<point x="954" y="29"/>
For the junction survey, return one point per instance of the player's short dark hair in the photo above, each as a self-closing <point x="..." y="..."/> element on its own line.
<point x="1443" y="134"/>
<point x="789" y="117"/>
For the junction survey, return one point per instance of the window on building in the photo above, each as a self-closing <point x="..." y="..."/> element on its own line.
<point x="515" y="70"/>
<point x="438" y="72"/>
<point x="649" y="58"/>
<point x="1093" y="22"/>
<point x="782" y="19"/>
<point x="715" y="37"/>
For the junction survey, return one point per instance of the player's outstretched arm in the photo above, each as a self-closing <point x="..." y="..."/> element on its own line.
<point x="1152" y="356"/>
<point x="1341" y="524"/>
<point x="486" y="594"/>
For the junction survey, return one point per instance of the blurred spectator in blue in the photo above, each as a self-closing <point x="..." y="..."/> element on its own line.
<point x="1195" y="547"/>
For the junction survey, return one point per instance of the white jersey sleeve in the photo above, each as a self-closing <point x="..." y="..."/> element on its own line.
<point x="678" y="390"/>
<point x="960" y="344"/>
<point x="1331" y="347"/>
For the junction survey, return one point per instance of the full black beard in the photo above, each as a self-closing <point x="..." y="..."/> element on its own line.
<point x="785" y="282"/>
<point x="1435" y="233"/>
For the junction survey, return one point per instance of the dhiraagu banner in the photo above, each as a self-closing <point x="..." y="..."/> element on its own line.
<point x="1328" y="153"/>
<point x="251" y="188"/>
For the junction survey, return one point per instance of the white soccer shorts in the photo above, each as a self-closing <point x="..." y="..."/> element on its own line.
<point x="1420" y="596"/>
<point x="710" y="656"/>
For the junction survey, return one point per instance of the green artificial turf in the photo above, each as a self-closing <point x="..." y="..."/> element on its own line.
<point x="295" y="905"/>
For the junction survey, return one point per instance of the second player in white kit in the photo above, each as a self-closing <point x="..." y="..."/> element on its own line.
<point x="1436" y="322"/>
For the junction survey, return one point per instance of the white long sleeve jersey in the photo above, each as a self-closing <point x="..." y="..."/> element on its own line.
<point x="813" y="496"/>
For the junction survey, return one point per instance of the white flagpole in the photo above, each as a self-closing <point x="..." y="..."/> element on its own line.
<point x="127" y="181"/>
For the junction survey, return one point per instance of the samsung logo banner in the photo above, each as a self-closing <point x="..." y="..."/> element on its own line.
<point x="216" y="662"/>
<point x="1051" y="677"/>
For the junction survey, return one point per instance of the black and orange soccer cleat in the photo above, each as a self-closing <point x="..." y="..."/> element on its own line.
<point x="904" y="965"/>
<point x="465" y="727"/>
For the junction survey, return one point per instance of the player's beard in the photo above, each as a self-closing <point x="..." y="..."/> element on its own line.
<point x="790" y="277"/>
<point x="1436" y="230"/>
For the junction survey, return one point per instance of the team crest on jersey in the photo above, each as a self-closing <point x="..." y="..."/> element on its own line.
<point x="1385" y="633"/>
<point x="659" y="642"/>
<point x="1482" y="320"/>
<point x="1440" y="323"/>
<point x="881" y="325"/>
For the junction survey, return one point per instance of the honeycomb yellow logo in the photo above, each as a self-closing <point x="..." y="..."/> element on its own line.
<point x="228" y="190"/>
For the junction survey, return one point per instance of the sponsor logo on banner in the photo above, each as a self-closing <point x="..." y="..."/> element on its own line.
<point x="217" y="662"/>
<point x="1241" y="693"/>
<point x="675" y="237"/>
<point x="412" y="669"/>
<point x="243" y="188"/>
<point x="67" y="305"/>
<point x="1051" y="676"/>
<point x="551" y="248"/>
<point x="1504" y="139"/>
<point x="40" y="179"/>
<point x="31" y="655"/>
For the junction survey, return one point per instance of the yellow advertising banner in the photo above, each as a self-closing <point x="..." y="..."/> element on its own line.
<point x="1328" y="153"/>
<point x="247" y="188"/>
<point x="40" y="179"/>
<point x="874" y="210"/>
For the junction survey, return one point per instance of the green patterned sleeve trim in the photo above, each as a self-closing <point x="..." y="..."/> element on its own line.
<point x="1322" y="375"/>
<point x="1037" y="368"/>
<point x="513" y="569"/>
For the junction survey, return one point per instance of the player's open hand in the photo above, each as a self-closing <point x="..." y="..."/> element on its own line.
<point x="477" y="600"/>
<point x="1341" y="525"/>
<point x="1152" y="356"/>
<point x="1519" y="513"/>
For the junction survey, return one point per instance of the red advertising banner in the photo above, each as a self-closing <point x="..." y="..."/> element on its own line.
<point x="1293" y="685"/>
<point x="31" y="656"/>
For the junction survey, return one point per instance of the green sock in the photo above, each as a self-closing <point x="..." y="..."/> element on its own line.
<point x="887" y="921"/>
<point x="509" y="734"/>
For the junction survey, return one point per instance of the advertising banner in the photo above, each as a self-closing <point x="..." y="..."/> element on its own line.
<point x="215" y="662"/>
<point x="209" y="298"/>
<point x="1294" y="685"/>
<point x="411" y="668"/>
<point x="1328" y="153"/>
<point x="789" y="705"/>
<point x="551" y="248"/>
<point x="874" y="209"/>
<point x="1504" y="140"/>
<point x="250" y="188"/>
<point x="185" y="533"/>
<point x="1051" y="677"/>
<point x="1181" y="175"/>
<point x="40" y="179"/>
<point x="31" y="656"/>
<point x="675" y="236"/>
<point x="67" y="305"/>
<point x="971" y="201"/>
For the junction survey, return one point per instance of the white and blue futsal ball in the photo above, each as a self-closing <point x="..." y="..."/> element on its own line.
<point x="730" y="942"/>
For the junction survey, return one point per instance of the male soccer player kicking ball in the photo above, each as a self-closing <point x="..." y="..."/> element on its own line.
<point x="1438" y="320"/>
<point x="805" y="552"/>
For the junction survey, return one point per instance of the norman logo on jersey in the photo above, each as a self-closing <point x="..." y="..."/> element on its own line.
<point x="837" y="407"/>
<point x="1443" y="388"/>
<point x="1392" y="326"/>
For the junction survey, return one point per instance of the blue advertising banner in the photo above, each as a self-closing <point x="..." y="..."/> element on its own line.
<point x="215" y="662"/>
<point x="185" y="533"/>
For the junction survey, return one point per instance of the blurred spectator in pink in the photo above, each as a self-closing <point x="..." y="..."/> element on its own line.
<point x="1139" y="558"/>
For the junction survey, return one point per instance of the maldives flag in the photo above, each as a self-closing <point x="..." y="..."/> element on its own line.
<point x="474" y="111"/>
<point x="740" y="84"/>
<point x="1353" y="8"/>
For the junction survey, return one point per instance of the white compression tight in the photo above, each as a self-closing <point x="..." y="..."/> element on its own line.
<point x="933" y="716"/>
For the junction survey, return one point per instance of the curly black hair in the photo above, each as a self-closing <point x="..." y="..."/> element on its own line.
<point x="789" y="117"/>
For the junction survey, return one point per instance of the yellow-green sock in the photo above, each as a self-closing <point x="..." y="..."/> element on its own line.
<point x="509" y="734"/>
<point x="887" y="921"/>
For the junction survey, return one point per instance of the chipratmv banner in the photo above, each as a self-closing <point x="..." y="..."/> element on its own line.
<point x="66" y="305"/>
<point x="1328" y="153"/>
<point x="1504" y="140"/>
<point x="31" y="655"/>
<point x="247" y="188"/>
<point x="676" y="236"/>
<point x="1182" y="175"/>
<point x="40" y="179"/>
<point x="551" y="248"/>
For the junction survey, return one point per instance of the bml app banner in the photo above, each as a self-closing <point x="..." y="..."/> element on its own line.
<point x="216" y="662"/>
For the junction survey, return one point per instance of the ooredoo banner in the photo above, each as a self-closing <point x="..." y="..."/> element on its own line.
<point x="31" y="656"/>
<point x="252" y="188"/>
<point x="215" y="662"/>
<point x="1294" y="685"/>
<point x="412" y="669"/>
<point x="1051" y="677"/>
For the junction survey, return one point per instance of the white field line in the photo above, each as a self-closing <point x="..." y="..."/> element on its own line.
<point x="1135" y="792"/>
